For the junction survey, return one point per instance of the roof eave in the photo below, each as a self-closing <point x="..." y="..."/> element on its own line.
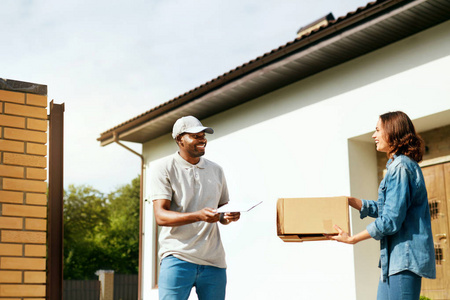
<point x="158" y="120"/>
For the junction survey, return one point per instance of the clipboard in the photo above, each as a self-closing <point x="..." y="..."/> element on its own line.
<point x="238" y="207"/>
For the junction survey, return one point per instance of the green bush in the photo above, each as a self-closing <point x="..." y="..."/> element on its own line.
<point x="424" y="298"/>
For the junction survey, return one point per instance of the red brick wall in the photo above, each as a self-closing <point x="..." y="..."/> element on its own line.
<point x="23" y="199"/>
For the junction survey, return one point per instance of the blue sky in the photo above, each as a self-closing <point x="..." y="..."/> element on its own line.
<point x="110" y="61"/>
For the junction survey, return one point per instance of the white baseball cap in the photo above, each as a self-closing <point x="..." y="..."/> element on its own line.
<point x="189" y="124"/>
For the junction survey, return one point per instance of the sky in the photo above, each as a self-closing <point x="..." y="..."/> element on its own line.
<point x="109" y="61"/>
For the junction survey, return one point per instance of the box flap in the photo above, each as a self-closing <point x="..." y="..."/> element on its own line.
<point x="280" y="216"/>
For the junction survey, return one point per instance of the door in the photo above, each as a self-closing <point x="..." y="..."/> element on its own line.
<point x="437" y="180"/>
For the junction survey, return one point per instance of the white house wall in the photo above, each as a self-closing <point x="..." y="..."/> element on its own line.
<point x="311" y="139"/>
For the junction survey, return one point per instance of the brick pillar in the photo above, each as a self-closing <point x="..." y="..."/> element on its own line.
<point x="106" y="278"/>
<point x="23" y="187"/>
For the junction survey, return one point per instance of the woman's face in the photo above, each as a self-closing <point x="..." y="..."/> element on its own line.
<point x="380" y="138"/>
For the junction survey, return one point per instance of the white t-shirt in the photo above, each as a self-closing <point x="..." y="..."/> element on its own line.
<point x="190" y="188"/>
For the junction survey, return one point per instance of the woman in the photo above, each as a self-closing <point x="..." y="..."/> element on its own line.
<point x="402" y="222"/>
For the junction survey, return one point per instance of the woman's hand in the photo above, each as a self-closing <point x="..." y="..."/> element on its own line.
<point x="344" y="237"/>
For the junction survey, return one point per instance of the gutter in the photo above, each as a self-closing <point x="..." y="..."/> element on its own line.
<point x="141" y="209"/>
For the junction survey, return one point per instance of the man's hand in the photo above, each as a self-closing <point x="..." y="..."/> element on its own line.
<point x="208" y="215"/>
<point x="227" y="218"/>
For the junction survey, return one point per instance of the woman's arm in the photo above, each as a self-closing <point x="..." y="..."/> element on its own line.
<point x="398" y="197"/>
<point x="344" y="237"/>
<point x="355" y="203"/>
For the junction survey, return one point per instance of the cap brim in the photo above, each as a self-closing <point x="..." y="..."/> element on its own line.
<point x="199" y="129"/>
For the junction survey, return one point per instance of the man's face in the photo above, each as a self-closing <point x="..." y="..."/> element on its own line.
<point x="192" y="144"/>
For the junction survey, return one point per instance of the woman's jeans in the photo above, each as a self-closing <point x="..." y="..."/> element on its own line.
<point x="401" y="286"/>
<point x="177" y="277"/>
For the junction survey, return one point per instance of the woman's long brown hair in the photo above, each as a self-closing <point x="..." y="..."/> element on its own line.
<point x="401" y="135"/>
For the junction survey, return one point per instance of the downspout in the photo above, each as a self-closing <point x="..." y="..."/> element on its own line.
<point x="141" y="207"/>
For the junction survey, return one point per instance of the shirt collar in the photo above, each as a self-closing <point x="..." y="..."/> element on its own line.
<point x="186" y="164"/>
<point x="391" y="159"/>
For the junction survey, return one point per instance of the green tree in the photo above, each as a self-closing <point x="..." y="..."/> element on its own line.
<point x="101" y="232"/>
<point x="85" y="219"/>
<point x="123" y="234"/>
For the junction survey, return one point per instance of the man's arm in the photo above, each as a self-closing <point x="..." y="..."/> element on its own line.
<point x="165" y="217"/>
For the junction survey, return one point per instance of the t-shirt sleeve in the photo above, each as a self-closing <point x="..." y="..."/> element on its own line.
<point x="159" y="183"/>
<point x="224" y="197"/>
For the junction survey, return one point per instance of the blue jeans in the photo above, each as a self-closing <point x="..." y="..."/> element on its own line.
<point x="177" y="277"/>
<point x="401" y="286"/>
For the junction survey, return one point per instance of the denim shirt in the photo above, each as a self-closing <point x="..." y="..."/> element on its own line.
<point x="403" y="223"/>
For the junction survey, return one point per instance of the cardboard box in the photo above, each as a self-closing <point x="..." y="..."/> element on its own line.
<point x="307" y="219"/>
